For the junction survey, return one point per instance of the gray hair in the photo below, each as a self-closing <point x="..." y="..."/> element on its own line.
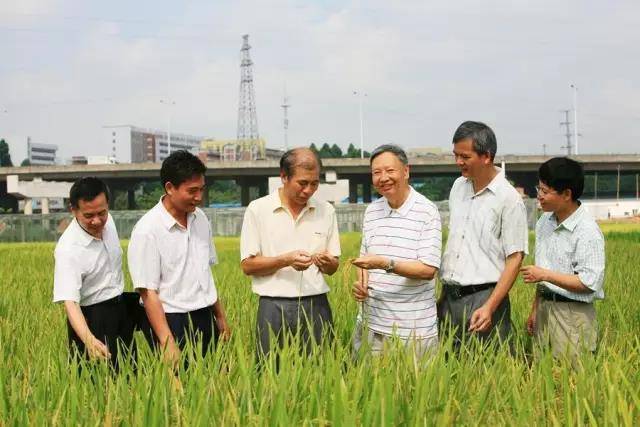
<point x="483" y="138"/>
<point x="289" y="161"/>
<point x="390" y="148"/>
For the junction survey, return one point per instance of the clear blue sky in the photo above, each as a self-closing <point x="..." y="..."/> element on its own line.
<point x="70" y="67"/>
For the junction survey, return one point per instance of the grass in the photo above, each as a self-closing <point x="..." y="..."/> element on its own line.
<point x="38" y="386"/>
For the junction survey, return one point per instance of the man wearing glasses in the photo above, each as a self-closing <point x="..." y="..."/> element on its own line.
<point x="570" y="260"/>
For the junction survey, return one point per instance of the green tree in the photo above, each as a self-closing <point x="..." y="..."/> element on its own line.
<point x="325" y="151"/>
<point x="5" y="157"/>
<point x="25" y="162"/>
<point x="314" y="148"/>
<point x="336" y="151"/>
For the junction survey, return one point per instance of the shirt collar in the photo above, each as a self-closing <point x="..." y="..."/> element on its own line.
<point x="275" y="203"/>
<point x="493" y="185"/>
<point x="168" y="220"/>
<point x="572" y="221"/>
<point x="406" y="206"/>
<point x="81" y="236"/>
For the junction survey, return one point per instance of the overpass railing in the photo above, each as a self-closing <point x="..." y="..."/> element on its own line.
<point x="224" y="222"/>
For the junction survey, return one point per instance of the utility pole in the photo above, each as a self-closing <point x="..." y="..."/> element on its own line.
<point x="285" y="107"/>
<point x="361" y="95"/>
<point x="567" y="125"/>
<point x="544" y="150"/>
<point x="247" y="114"/>
<point x="575" y="116"/>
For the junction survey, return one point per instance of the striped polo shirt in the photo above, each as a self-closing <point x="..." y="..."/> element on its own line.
<point x="575" y="246"/>
<point x="397" y="304"/>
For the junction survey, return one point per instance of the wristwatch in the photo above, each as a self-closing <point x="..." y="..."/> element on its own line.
<point x="391" y="266"/>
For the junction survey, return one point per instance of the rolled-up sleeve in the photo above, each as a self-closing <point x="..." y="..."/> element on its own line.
<point x="333" y="239"/>
<point x="249" y="236"/>
<point x="144" y="261"/>
<point x="430" y="243"/>
<point x="514" y="232"/>
<point x="589" y="262"/>
<point x="67" y="278"/>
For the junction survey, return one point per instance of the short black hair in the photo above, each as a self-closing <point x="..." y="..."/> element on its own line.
<point x="180" y="167"/>
<point x="483" y="138"/>
<point x="289" y="161"/>
<point x="390" y="148"/>
<point x="563" y="173"/>
<point x="87" y="189"/>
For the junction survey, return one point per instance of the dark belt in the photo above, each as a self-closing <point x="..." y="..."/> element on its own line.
<point x="552" y="296"/>
<point x="457" y="292"/>
<point x="111" y="301"/>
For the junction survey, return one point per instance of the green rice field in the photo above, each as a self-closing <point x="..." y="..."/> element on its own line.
<point x="38" y="386"/>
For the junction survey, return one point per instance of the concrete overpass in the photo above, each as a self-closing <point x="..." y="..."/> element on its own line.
<point x="125" y="177"/>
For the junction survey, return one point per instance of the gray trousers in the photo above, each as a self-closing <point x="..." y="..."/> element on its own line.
<point x="308" y="318"/>
<point x="455" y="313"/>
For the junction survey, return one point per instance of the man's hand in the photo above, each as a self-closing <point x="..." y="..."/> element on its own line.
<point x="371" y="262"/>
<point x="533" y="274"/>
<point x="360" y="288"/>
<point x="171" y="353"/>
<point x="481" y="320"/>
<point x="223" y="328"/>
<point x="97" y="349"/>
<point x="532" y="321"/>
<point x="299" y="260"/>
<point x="322" y="259"/>
<point x="360" y="291"/>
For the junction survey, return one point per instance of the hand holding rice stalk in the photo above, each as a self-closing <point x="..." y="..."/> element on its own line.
<point x="360" y="288"/>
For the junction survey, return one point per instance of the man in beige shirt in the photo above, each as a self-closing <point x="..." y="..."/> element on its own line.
<point x="288" y="241"/>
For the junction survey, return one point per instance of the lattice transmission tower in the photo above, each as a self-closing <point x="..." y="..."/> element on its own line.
<point x="247" y="115"/>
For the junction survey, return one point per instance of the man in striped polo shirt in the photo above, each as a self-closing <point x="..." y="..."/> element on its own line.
<point x="488" y="238"/>
<point x="570" y="259"/>
<point x="399" y="258"/>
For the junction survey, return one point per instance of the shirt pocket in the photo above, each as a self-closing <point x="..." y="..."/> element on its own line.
<point x="318" y="242"/>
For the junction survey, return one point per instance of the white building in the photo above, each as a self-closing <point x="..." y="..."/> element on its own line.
<point x="41" y="154"/>
<point x="131" y="144"/>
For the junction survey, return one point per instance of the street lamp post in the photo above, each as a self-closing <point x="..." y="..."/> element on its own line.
<point x="575" y="116"/>
<point x="361" y="95"/>
<point x="169" y="103"/>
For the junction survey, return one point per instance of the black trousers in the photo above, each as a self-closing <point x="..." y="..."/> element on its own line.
<point x="193" y="326"/>
<point x="306" y="317"/>
<point x="110" y="322"/>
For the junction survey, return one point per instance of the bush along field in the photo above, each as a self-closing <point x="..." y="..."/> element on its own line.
<point x="39" y="386"/>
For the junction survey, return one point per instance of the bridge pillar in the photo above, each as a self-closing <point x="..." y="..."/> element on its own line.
<point x="353" y="191"/>
<point x="246" y="183"/>
<point x="131" y="199"/>
<point x="366" y="191"/>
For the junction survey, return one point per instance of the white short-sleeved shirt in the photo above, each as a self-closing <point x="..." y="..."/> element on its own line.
<point x="88" y="270"/>
<point x="269" y="230"/>
<point x="484" y="229"/>
<point x="410" y="233"/>
<point x="173" y="260"/>
<point x="576" y="246"/>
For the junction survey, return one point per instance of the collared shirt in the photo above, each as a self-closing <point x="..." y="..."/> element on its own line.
<point x="173" y="260"/>
<point x="484" y="229"/>
<point x="411" y="232"/>
<point x="88" y="270"/>
<point x="269" y="230"/>
<point x="575" y="246"/>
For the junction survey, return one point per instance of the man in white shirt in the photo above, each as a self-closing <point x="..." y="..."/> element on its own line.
<point x="170" y="256"/>
<point x="88" y="275"/>
<point x="488" y="239"/>
<point x="570" y="263"/>
<point x="288" y="241"/>
<point x="400" y="253"/>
